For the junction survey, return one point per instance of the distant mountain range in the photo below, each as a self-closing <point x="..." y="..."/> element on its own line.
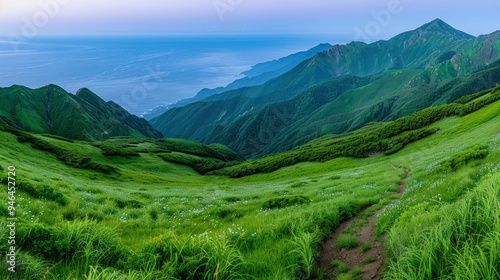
<point x="341" y="89"/>
<point x="83" y="116"/>
<point x="257" y="75"/>
<point x="285" y="103"/>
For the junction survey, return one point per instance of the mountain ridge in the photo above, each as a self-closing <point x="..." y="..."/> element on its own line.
<point x="82" y="116"/>
<point x="435" y="51"/>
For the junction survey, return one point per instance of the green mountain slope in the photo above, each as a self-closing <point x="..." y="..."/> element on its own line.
<point x="409" y="72"/>
<point x="387" y="138"/>
<point x="83" y="116"/>
<point x="177" y="224"/>
<point x="360" y="106"/>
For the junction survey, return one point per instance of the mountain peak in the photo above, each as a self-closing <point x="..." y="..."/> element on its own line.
<point x="89" y="96"/>
<point x="439" y="26"/>
<point x="438" y="22"/>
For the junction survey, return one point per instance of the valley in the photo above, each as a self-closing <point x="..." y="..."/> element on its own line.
<point x="155" y="219"/>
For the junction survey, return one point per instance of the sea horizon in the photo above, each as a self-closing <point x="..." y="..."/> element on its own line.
<point x="142" y="72"/>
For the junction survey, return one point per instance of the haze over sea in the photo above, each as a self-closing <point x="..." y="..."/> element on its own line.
<point x="141" y="73"/>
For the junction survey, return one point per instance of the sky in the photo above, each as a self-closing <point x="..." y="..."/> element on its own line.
<point x="357" y="19"/>
<point x="303" y="23"/>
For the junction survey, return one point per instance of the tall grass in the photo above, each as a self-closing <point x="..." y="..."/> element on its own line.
<point x="305" y="245"/>
<point x="464" y="243"/>
<point x="196" y="257"/>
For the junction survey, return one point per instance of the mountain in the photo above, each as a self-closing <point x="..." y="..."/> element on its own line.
<point x="257" y="75"/>
<point x="83" y="116"/>
<point x="428" y="66"/>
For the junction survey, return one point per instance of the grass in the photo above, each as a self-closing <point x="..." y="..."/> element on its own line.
<point x="162" y="220"/>
<point x="340" y="266"/>
<point x="346" y="241"/>
<point x="355" y="273"/>
<point x="365" y="247"/>
<point x="305" y="245"/>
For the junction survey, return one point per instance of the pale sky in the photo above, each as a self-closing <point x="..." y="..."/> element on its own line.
<point x="380" y="19"/>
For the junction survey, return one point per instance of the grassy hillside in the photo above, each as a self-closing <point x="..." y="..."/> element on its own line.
<point x="158" y="219"/>
<point x="83" y="116"/>
<point x="387" y="138"/>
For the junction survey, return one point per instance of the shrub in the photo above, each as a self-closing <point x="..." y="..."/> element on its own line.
<point x="114" y="148"/>
<point x="285" y="201"/>
<point x="94" y="190"/>
<point x="120" y="203"/>
<point x="132" y="203"/>
<point x="227" y="213"/>
<point x="232" y="199"/>
<point x="461" y="159"/>
<point x="201" y="165"/>
<point x="44" y="192"/>
<point x="153" y="214"/>
<point x="297" y="185"/>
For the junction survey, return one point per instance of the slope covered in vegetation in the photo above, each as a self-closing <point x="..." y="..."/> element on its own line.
<point x="83" y="116"/>
<point x="431" y="65"/>
<point x="158" y="219"/>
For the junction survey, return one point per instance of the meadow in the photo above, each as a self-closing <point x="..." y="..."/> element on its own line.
<point x="136" y="209"/>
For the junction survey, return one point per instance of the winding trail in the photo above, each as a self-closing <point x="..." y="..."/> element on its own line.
<point x="365" y="229"/>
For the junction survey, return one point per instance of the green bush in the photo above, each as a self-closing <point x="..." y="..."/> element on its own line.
<point x="297" y="185"/>
<point x="41" y="241"/>
<point x="201" y="165"/>
<point x="116" y="148"/>
<point x="461" y="159"/>
<point x="227" y="213"/>
<point x="44" y="192"/>
<point x="232" y="199"/>
<point x="120" y="203"/>
<point x="132" y="203"/>
<point x="285" y="201"/>
<point x="153" y="213"/>
<point x="215" y="151"/>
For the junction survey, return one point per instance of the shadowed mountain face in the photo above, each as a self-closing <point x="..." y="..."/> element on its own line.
<point x="83" y="116"/>
<point x="342" y="89"/>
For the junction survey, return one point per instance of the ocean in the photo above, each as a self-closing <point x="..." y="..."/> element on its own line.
<point x="141" y="72"/>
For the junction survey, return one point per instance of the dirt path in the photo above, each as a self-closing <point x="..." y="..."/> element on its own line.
<point x="371" y="261"/>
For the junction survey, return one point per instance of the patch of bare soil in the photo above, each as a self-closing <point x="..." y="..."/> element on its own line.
<point x="371" y="261"/>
